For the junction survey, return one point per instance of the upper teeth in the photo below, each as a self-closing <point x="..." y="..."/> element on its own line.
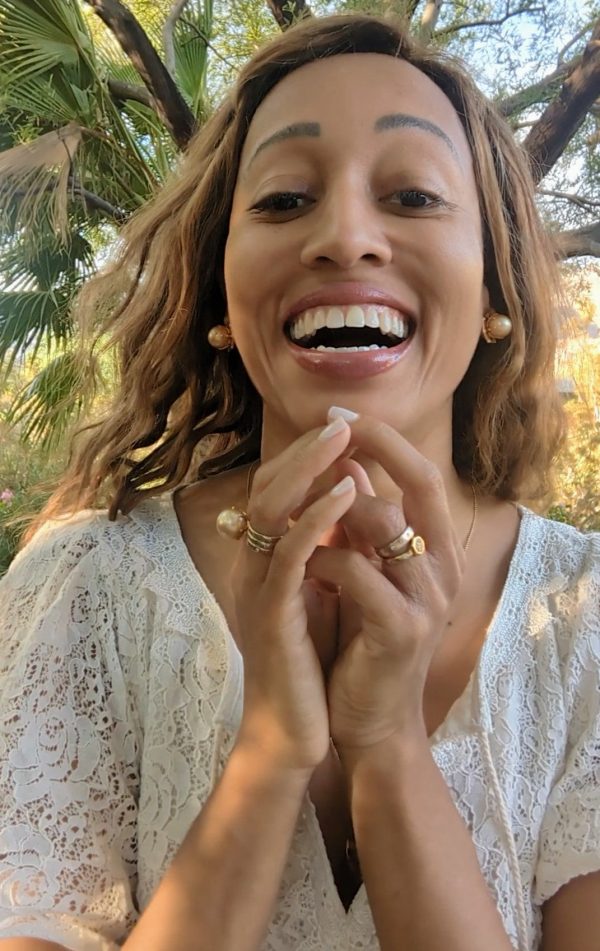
<point x="386" y="319"/>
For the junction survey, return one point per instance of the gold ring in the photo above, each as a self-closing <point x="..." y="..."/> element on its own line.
<point x="259" y="542"/>
<point x="234" y="523"/>
<point x="416" y="547"/>
<point x="397" y="546"/>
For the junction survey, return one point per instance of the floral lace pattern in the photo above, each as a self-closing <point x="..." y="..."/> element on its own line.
<point x="121" y="691"/>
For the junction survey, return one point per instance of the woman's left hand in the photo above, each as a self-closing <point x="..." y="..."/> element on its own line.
<point x="376" y="688"/>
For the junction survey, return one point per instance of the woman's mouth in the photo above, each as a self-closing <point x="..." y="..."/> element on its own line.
<point x="351" y="341"/>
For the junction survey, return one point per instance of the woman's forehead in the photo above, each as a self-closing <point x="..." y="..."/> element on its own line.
<point x="370" y="90"/>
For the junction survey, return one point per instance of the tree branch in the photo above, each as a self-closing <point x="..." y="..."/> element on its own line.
<point x="561" y="119"/>
<point x="77" y="191"/>
<point x="168" y="31"/>
<point x="119" y="90"/>
<point x="170" y="104"/>
<point x="572" y="41"/>
<point x="288" y="12"/>
<point x="100" y="204"/>
<point x="429" y="19"/>
<point x="580" y="241"/>
<point x="507" y="16"/>
<point x="537" y="92"/>
<point x="580" y="200"/>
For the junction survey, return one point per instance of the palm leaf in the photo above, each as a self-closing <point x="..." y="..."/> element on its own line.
<point x="30" y="318"/>
<point x="191" y="38"/>
<point x="56" y="396"/>
<point x="38" y="173"/>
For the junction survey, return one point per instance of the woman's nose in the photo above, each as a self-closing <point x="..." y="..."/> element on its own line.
<point x="344" y="230"/>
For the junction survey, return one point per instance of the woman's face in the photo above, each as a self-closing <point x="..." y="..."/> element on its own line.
<point x="356" y="186"/>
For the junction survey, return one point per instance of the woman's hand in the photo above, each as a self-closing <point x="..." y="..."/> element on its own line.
<point x="285" y="705"/>
<point x="376" y="688"/>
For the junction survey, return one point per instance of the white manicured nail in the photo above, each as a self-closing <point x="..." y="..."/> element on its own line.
<point x="345" y="485"/>
<point x="337" y="412"/>
<point x="333" y="429"/>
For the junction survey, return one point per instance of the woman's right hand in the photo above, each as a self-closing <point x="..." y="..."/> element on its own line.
<point x="285" y="714"/>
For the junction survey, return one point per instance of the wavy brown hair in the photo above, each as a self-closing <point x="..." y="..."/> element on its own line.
<point x="184" y="410"/>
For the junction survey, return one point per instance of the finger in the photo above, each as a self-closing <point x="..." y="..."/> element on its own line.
<point x="287" y="569"/>
<point x="280" y="485"/>
<point x="424" y="496"/>
<point x="359" y="474"/>
<point x="380" y="603"/>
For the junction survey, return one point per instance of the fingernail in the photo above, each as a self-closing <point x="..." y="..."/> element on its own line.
<point x="345" y="485"/>
<point x="337" y="412"/>
<point x="333" y="429"/>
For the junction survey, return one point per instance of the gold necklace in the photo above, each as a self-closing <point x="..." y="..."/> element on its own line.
<point x="473" y="519"/>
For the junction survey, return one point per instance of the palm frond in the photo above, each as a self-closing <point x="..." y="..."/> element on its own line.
<point x="38" y="172"/>
<point x="191" y="39"/>
<point x="52" y="401"/>
<point x="40" y="99"/>
<point x="30" y="318"/>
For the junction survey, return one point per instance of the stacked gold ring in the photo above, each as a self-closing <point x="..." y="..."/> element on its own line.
<point x="233" y="523"/>
<point x="259" y="542"/>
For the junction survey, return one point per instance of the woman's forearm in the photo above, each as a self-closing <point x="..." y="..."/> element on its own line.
<point x="219" y="892"/>
<point x="418" y="861"/>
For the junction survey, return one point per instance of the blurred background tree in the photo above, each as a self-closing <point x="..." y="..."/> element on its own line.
<point x="99" y="98"/>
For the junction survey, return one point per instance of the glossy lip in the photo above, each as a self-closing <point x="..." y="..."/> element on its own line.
<point x="349" y="292"/>
<point x="349" y="366"/>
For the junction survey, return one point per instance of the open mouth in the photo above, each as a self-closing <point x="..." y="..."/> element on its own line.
<point x="349" y="329"/>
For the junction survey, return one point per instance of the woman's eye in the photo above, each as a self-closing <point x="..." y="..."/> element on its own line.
<point x="412" y="198"/>
<point x="280" y="201"/>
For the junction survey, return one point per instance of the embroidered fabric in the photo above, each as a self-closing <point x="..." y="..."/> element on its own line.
<point x="120" y="698"/>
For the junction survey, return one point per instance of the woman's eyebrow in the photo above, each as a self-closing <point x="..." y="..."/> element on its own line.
<point x="396" y="120"/>
<point x="399" y="120"/>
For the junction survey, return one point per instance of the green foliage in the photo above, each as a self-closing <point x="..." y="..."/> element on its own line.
<point x="577" y="489"/>
<point x="193" y="31"/>
<point x="57" y="65"/>
<point x="25" y="477"/>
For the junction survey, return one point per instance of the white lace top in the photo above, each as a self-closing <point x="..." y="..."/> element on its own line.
<point x="121" y="693"/>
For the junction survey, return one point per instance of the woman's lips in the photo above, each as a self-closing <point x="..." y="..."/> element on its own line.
<point x="349" y="366"/>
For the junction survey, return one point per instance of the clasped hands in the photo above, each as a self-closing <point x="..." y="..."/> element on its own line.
<point x="373" y="694"/>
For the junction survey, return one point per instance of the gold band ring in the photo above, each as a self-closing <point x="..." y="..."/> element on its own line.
<point x="416" y="547"/>
<point x="234" y="523"/>
<point x="397" y="546"/>
<point x="259" y="542"/>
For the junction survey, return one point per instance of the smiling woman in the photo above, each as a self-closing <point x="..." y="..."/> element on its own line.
<point x="374" y="722"/>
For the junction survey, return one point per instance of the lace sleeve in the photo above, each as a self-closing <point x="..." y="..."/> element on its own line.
<point x="68" y="746"/>
<point x="570" y="834"/>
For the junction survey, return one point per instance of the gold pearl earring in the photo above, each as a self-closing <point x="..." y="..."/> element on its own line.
<point x="220" y="337"/>
<point x="495" y="326"/>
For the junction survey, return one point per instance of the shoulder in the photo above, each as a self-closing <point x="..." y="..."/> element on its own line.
<point x="558" y="560"/>
<point x="88" y="542"/>
<point x="561" y="547"/>
<point x="563" y="569"/>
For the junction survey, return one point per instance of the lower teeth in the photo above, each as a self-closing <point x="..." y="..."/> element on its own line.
<point x="373" y="346"/>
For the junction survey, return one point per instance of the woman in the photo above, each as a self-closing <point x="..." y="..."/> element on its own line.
<point x="420" y="654"/>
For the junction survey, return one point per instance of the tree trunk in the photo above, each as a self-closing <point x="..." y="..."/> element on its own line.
<point x="288" y="12"/>
<point x="170" y="104"/>
<point x="559" y="122"/>
<point x="572" y="244"/>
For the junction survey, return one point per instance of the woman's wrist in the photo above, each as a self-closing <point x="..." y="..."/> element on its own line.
<point x="255" y="762"/>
